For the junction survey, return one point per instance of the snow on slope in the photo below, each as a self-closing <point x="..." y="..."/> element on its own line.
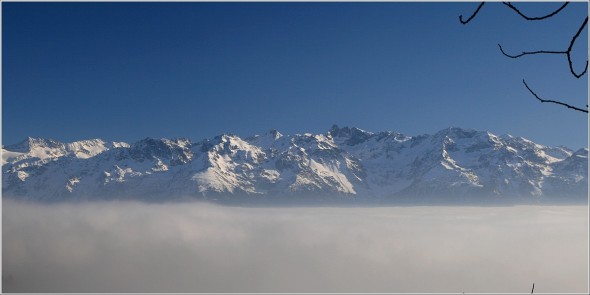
<point x="345" y="163"/>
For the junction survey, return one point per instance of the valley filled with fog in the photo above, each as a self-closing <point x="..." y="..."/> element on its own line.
<point x="197" y="247"/>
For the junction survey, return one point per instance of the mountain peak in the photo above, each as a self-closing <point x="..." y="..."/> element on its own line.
<point x="275" y="134"/>
<point x="583" y="152"/>
<point x="225" y="137"/>
<point x="457" y="132"/>
<point x="30" y="143"/>
<point x="265" y="140"/>
<point x="351" y="135"/>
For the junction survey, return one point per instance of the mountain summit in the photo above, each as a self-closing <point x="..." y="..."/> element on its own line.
<point x="346" y="163"/>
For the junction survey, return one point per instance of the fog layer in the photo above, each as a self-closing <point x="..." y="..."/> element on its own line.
<point x="192" y="247"/>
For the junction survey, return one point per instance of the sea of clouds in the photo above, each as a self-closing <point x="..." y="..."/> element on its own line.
<point x="197" y="247"/>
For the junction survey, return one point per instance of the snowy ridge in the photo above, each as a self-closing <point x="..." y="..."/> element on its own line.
<point x="344" y="163"/>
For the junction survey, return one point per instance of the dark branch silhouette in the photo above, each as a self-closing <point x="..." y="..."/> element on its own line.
<point x="472" y="16"/>
<point x="553" y="101"/>
<point x="569" y="50"/>
<point x="529" y="52"/>
<point x="535" y="18"/>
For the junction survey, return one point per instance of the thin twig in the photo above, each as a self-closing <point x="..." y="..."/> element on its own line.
<point x="472" y="16"/>
<point x="529" y="52"/>
<point x="569" y="51"/>
<point x="535" y="18"/>
<point x="552" y="101"/>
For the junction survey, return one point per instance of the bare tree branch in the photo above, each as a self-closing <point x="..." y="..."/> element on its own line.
<point x="529" y="52"/>
<point x="523" y="53"/>
<point x="553" y="101"/>
<point x="569" y="51"/>
<point x="535" y="18"/>
<point x="472" y="16"/>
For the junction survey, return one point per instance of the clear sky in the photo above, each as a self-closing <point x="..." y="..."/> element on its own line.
<point x="126" y="71"/>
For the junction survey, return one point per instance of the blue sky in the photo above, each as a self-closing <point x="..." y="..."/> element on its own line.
<point x="126" y="71"/>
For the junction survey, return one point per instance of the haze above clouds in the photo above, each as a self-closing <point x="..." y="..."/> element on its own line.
<point x="194" y="247"/>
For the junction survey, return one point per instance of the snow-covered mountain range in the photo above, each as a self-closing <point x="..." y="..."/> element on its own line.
<point x="342" y="164"/>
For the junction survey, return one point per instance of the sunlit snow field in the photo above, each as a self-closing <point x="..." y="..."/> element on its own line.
<point x="194" y="247"/>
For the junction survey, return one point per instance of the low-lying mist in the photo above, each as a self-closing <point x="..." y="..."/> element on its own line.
<point x="196" y="247"/>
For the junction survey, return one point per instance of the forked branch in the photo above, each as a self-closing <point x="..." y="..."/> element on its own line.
<point x="567" y="52"/>
<point x="472" y="16"/>
<point x="523" y="53"/>
<point x="553" y="101"/>
<point x="535" y="18"/>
